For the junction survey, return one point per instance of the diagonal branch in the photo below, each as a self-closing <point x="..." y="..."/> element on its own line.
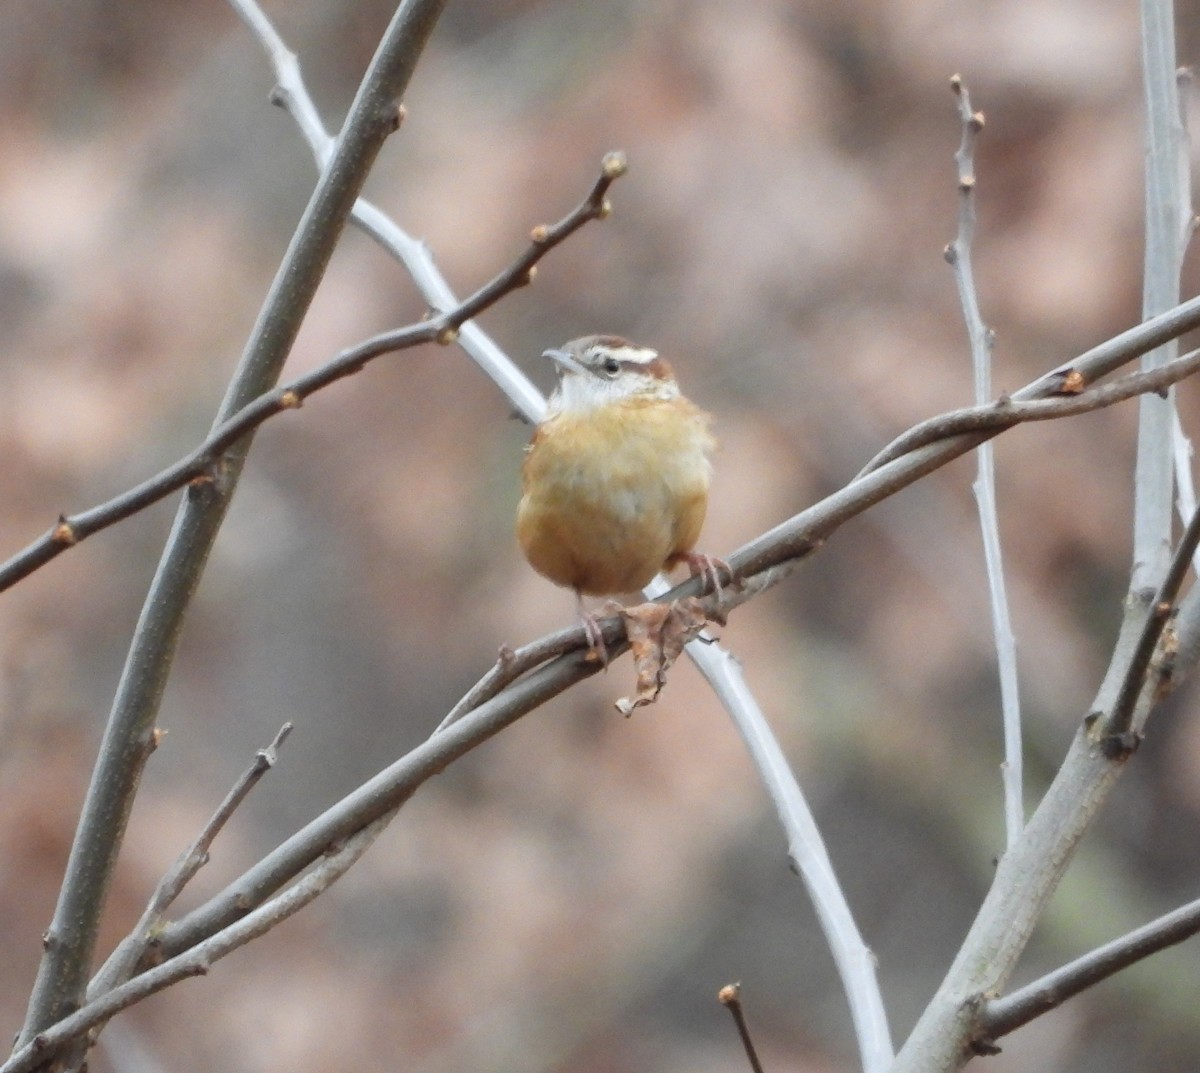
<point x="46" y="1044"/>
<point x="1006" y="412"/>
<point x="206" y="464"/>
<point x="797" y="536"/>
<point x="502" y="700"/>
<point x="1003" y="1015"/>
<point x="71" y="937"/>
<point x="121" y="963"/>
<point x="292" y="95"/>
<point x="1119" y="730"/>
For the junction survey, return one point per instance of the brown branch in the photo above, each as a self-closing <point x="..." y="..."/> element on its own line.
<point x="730" y="996"/>
<point x="204" y="464"/>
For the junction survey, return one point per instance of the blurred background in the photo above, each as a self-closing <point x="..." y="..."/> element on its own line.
<point x="573" y="894"/>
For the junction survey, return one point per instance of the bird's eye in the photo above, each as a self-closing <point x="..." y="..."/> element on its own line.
<point x="611" y="366"/>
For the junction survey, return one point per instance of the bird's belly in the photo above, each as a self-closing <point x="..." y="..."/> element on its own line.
<point x="605" y="510"/>
<point x="598" y="536"/>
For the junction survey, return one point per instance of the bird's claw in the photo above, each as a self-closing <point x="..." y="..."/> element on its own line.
<point x="709" y="569"/>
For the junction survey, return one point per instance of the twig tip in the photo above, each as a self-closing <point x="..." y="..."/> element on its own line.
<point x="614" y="164"/>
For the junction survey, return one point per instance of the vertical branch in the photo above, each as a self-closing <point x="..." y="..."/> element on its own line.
<point x="944" y="1036"/>
<point x="1167" y="226"/>
<point x="806" y="849"/>
<point x="958" y="254"/>
<point x="1181" y="445"/>
<point x="70" y="940"/>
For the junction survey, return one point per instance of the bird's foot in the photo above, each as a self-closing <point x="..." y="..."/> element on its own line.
<point x="709" y="569"/>
<point x="597" y="650"/>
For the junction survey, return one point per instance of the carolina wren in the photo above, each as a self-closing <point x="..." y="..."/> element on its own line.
<point x="616" y="476"/>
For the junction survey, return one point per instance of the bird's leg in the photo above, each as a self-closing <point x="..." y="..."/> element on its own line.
<point x="597" y="649"/>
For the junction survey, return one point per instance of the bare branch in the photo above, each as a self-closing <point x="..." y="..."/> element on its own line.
<point x="122" y="962"/>
<point x="292" y="95"/>
<point x="206" y="464"/>
<point x="71" y="937"/>
<point x="958" y="253"/>
<point x="1007" y="412"/>
<point x="730" y="996"/>
<point x="197" y="961"/>
<point x="1167" y="226"/>
<point x="759" y="565"/>
<point x="1120" y="733"/>
<point x="796" y="536"/>
<point x="1003" y="1015"/>
<point x="806" y="849"/>
<point x="1181" y="445"/>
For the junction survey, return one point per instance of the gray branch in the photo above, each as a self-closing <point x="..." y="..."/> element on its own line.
<point x="71" y="938"/>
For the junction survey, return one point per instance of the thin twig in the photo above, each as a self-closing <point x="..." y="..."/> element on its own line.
<point x="958" y="253"/>
<point x="205" y="463"/>
<point x="730" y="996"/>
<point x="525" y="398"/>
<point x="292" y="95"/>
<point x="806" y="849"/>
<point x="1003" y="1015"/>
<point x="124" y="959"/>
<point x="1117" y="729"/>
<point x="758" y="565"/>
<point x="71" y="937"/>
<point x="199" y="959"/>
<point x="1006" y="412"/>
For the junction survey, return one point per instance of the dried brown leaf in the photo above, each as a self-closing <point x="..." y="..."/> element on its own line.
<point x="657" y="634"/>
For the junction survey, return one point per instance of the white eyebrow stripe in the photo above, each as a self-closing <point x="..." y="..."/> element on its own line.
<point x="640" y="355"/>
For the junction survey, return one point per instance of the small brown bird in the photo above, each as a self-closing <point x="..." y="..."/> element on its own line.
<point x="616" y="476"/>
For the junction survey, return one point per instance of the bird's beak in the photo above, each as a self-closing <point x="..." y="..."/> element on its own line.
<point x="563" y="360"/>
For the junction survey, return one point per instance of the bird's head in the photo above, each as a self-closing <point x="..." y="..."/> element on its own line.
<point x="601" y="369"/>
